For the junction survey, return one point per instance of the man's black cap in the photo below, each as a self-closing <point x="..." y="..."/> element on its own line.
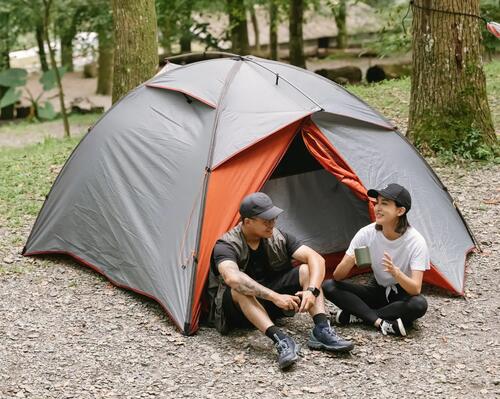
<point x="394" y="192"/>
<point x="259" y="205"/>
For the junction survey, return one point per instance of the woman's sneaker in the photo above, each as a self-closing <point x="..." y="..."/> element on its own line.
<point x="343" y="318"/>
<point x="395" y="327"/>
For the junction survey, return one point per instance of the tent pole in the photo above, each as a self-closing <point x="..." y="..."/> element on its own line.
<point x="208" y="171"/>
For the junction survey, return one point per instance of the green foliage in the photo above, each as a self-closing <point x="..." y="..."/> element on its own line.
<point x="10" y="97"/>
<point x="46" y="111"/>
<point x="48" y="78"/>
<point x="26" y="176"/>
<point x="456" y="141"/>
<point x="395" y="35"/>
<point x="13" y="77"/>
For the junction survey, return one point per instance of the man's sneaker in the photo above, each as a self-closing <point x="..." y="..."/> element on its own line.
<point x="343" y="318"/>
<point x="288" y="352"/>
<point x="324" y="337"/>
<point x="395" y="327"/>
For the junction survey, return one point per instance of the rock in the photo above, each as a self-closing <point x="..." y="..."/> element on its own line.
<point x="380" y="72"/>
<point x="342" y="75"/>
<point x="90" y="70"/>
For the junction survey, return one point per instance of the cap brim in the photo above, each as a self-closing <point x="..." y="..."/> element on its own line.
<point x="270" y="213"/>
<point x="375" y="193"/>
<point x="372" y="193"/>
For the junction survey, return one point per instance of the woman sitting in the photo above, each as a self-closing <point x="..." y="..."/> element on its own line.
<point x="391" y="300"/>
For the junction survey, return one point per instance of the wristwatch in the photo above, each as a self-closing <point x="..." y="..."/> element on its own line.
<point x="314" y="291"/>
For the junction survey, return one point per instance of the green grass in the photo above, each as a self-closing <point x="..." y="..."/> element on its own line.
<point x="391" y="98"/>
<point x="26" y="175"/>
<point x="22" y="126"/>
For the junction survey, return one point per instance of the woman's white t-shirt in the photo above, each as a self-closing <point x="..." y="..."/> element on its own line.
<point x="408" y="252"/>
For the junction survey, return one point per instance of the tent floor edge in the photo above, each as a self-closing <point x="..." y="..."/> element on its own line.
<point x="116" y="284"/>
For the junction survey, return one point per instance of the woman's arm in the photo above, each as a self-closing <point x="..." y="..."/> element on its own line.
<point x="343" y="268"/>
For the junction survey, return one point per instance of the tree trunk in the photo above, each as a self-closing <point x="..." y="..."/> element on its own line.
<point x="296" y="44"/>
<point x="273" y="29"/>
<point x="5" y="112"/>
<point x="166" y="37"/>
<point x="238" y="26"/>
<point x="186" y="23"/>
<point x="448" y="107"/>
<point x="136" y="44"/>
<point x="105" y="63"/>
<point x="341" y="21"/>
<point x="46" y="20"/>
<point x="67" y="49"/>
<point x="41" y="47"/>
<point x="255" y="25"/>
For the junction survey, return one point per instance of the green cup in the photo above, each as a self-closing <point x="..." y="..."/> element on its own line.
<point x="362" y="255"/>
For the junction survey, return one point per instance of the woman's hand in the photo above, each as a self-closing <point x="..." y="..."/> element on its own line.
<point x="390" y="268"/>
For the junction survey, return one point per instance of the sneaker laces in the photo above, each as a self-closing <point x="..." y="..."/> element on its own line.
<point x="387" y="327"/>
<point x="330" y="331"/>
<point x="282" y="345"/>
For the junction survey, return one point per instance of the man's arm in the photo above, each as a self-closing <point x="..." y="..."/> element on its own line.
<point x="315" y="262"/>
<point x="245" y="285"/>
<point x="344" y="267"/>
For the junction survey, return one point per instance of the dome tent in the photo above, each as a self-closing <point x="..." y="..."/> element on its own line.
<point x="150" y="188"/>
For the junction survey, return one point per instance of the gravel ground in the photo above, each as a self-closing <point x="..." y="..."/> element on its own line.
<point x="65" y="332"/>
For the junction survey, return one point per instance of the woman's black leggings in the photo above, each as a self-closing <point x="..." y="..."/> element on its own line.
<point x="369" y="301"/>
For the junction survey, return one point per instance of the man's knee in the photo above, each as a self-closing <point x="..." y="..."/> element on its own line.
<point x="303" y="273"/>
<point x="418" y="305"/>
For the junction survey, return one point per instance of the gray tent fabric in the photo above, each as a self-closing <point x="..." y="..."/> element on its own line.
<point x="380" y="157"/>
<point x="319" y="210"/>
<point x="116" y="202"/>
<point x="129" y="201"/>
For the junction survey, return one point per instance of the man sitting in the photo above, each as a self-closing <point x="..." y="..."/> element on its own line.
<point x="252" y="281"/>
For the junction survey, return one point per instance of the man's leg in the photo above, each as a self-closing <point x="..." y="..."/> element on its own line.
<point x="253" y="310"/>
<point x="257" y="315"/>
<point x="323" y="336"/>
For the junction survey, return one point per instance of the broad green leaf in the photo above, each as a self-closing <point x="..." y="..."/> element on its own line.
<point x="13" y="77"/>
<point x="10" y="97"/>
<point x="48" y="79"/>
<point x="46" y="111"/>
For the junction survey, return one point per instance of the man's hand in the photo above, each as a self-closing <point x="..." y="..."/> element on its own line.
<point x="287" y="302"/>
<point x="308" y="300"/>
<point x="389" y="266"/>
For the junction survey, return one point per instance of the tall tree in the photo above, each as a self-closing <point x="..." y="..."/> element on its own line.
<point x="340" y="14"/>
<point x="296" y="44"/>
<point x="95" y="16"/>
<point x="39" y="34"/>
<point x="69" y="13"/>
<point x="255" y="24"/>
<point x="186" y="21"/>
<point x="6" y="112"/>
<point x="136" y="44"/>
<point x="238" y="26"/>
<point x="273" y="29"/>
<point x="47" y="4"/>
<point x="448" y="107"/>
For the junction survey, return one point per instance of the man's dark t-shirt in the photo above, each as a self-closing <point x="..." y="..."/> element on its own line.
<point x="258" y="265"/>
